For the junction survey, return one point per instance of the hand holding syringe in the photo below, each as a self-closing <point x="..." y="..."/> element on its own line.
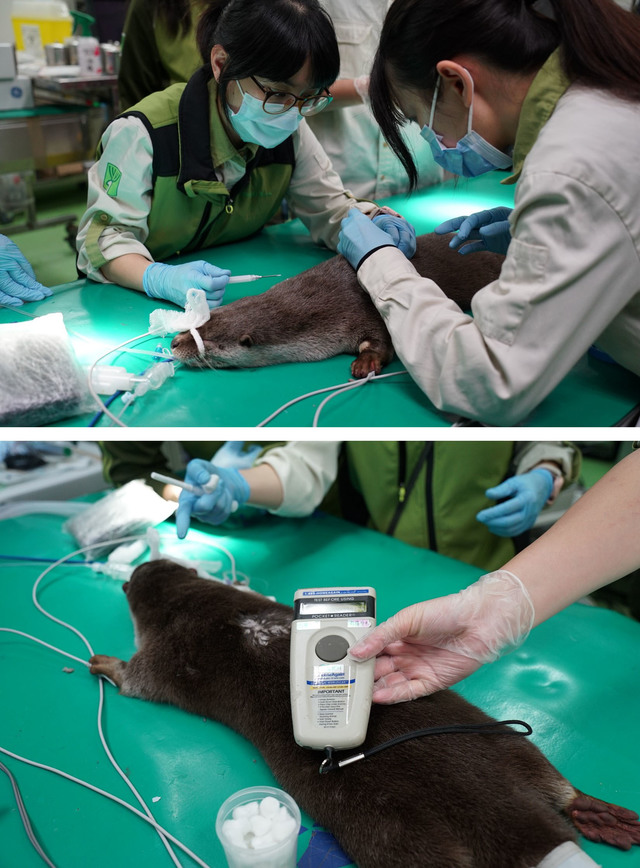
<point x="210" y="493"/>
<point x="207" y="488"/>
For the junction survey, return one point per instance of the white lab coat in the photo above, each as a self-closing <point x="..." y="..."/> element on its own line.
<point x="571" y="276"/>
<point x="351" y="136"/>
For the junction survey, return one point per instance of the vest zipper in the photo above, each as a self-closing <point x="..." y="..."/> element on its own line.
<point x="431" y="521"/>
<point x="203" y="228"/>
<point x="402" y="471"/>
<point x="406" y="486"/>
<point x="193" y="244"/>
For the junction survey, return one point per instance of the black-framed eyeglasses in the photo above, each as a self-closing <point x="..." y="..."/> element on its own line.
<point x="276" y="103"/>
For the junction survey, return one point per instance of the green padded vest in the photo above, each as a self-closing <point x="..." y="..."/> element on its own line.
<point x="191" y="208"/>
<point x="439" y="512"/>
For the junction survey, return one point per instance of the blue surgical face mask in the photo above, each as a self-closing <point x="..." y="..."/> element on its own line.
<point x="253" y="124"/>
<point x="471" y="156"/>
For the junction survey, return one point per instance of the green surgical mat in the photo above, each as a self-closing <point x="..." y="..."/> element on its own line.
<point x="100" y="316"/>
<point x="575" y="681"/>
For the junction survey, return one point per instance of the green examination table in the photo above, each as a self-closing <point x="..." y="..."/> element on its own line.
<point x="575" y="681"/>
<point x="99" y="317"/>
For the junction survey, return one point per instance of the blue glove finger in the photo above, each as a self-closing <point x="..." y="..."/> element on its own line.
<point x="215" y="507"/>
<point x="400" y="230"/>
<point x="232" y="454"/>
<point x="449" y="225"/>
<point x="219" y="276"/>
<point x="497" y="237"/>
<point x="183" y="513"/>
<point x="472" y="247"/>
<point x="199" y="471"/>
<point x="507" y="509"/>
<point x="20" y="283"/>
<point x="468" y="229"/>
<point x="505" y="489"/>
<point x="474" y="226"/>
<point x="11" y="300"/>
<point x="508" y="526"/>
<point x="388" y="226"/>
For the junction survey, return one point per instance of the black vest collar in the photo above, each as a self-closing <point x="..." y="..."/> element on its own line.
<point x="194" y="130"/>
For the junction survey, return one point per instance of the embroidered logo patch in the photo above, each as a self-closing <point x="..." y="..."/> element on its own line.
<point x="112" y="179"/>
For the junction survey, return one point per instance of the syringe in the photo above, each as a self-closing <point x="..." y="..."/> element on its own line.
<point x="247" y="278"/>
<point x="210" y="486"/>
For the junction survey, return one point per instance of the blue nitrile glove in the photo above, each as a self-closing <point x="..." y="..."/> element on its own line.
<point x="490" y="229"/>
<point x="231" y="454"/>
<point x="17" y="280"/>
<point x="171" y="282"/>
<point x="359" y="236"/>
<point x="402" y="232"/>
<point x="216" y="506"/>
<point x="522" y="497"/>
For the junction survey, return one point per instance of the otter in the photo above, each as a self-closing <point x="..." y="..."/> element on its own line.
<point x="323" y="312"/>
<point x="457" y="801"/>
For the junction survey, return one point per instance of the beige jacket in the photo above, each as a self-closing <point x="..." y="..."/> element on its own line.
<point x="571" y="276"/>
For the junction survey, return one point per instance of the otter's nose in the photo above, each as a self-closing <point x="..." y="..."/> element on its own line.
<point x="125" y="586"/>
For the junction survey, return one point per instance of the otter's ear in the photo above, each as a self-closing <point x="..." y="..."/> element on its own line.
<point x="246" y="341"/>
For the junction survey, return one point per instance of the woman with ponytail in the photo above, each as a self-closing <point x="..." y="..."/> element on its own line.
<point x="550" y="91"/>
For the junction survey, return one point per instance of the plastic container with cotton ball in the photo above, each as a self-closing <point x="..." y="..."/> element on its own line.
<point x="258" y="827"/>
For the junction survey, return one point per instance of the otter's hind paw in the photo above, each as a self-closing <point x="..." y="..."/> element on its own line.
<point x="602" y="822"/>
<point x="112" y="667"/>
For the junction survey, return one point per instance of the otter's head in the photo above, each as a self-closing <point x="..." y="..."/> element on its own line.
<point x="228" y="339"/>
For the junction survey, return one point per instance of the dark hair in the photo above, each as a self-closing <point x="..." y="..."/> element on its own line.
<point x="176" y="15"/>
<point x="271" y="39"/>
<point x="599" y="42"/>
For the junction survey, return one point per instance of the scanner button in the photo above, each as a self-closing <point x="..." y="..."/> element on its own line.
<point x="332" y="648"/>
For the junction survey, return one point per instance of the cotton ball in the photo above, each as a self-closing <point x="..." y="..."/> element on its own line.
<point x="247" y="810"/>
<point x="269" y="807"/>
<point x="280" y="830"/>
<point x="283" y="813"/>
<point x="243" y="825"/>
<point x="235" y="830"/>
<point x="283" y="824"/>
<point x="259" y="842"/>
<point x="260" y="825"/>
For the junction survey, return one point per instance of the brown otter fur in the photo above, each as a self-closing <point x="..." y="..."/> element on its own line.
<point x="462" y="801"/>
<point x="324" y="312"/>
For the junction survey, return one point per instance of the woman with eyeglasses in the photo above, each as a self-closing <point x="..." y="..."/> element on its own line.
<point x="208" y="162"/>
<point x="550" y="90"/>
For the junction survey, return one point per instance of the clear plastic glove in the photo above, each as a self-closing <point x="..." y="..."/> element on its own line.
<point x="433" y="645"/>
<point x="215" y="506"/>
<point x="232" y="454"/>
<point x="359" y="236"/>
<point x="485" y="230"/>
<point x="402" y="232"/>
<point x="17" y="279"/>
<point x="522" y="497"/>
<point x="172" y="282"/>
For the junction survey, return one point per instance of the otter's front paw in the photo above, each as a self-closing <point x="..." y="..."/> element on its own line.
<point x="109" y="666"/>
<point x="369" y="361"/>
